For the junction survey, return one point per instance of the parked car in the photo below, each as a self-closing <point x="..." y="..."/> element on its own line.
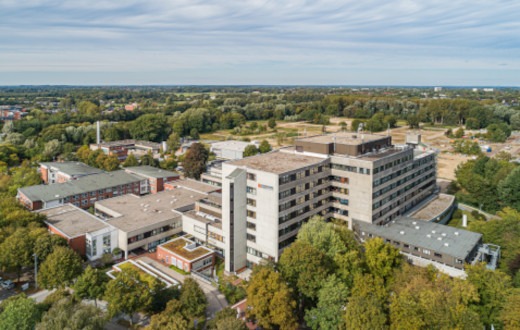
<point x="8" y="284"/>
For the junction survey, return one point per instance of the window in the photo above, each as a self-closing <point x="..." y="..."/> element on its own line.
<point x="251" y="190"/>
<point x="251" y="176"/>
<point x="94" y="247"/>
<point x="438" y="255"/>
<point x="251" y="202"/>
<point x="251" y="238"/>
<point x="251" y="214"/>
<point x="427" y="252"/>
<point x="251" y="225"/>
<point x="199" y="229"/>
<point x="106" y="244"/>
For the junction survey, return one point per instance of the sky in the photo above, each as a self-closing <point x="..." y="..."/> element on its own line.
<point x="260" y="42"/>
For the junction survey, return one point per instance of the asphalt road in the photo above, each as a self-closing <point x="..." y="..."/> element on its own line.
<point x="4" y="293"/>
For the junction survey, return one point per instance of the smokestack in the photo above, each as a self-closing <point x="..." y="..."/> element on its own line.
<point x="164" y="146"/>
<point x="464" y="220"/>
<point x="98" y="133"/>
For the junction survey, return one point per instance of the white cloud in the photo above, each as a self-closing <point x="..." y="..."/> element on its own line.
<point x="142" y="36"/>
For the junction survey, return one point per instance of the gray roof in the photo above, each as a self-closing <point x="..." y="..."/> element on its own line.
<point x="429" y="235"/>
<point x="151" y="172"/>
<point x="277" y="162"/>
<point x="196" y="186"/>
<point x="72" y="168"/>
<point x="82" y="185"/>
<point x="72" y="221"/>
<point x="136" y="212"/>
<point x="231" y="145"/>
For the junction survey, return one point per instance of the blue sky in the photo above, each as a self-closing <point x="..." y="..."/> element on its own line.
<point x="299" y="42"/>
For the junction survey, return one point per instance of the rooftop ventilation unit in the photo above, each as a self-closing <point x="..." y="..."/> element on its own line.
<point x="439" y="238"/>
<point x="456" y="233"/>
<point x="429" y="236"/>
<point x="401" y="232"/>
<point x="417" y="227"/>
<point x="446" y="244"/>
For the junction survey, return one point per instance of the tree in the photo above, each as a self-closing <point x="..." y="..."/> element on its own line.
<point x="459" y="133"/>
<point x="226" y="319"/>
<point x="60" y="268"/>
<point x="195" y="160"/>
<point x="493" y="288"/>
<point x="366" y="306"/>
<point x="332" y="299"/>
<point x="381" y="258"/>
<point x="271" y="123"/>
<point x="150" y="127"/>
<point x="71" y="315"/>
<point x="508" y="189"/>
<point x="270" y="300"/>
<point x="111" y="163"/>
<point x="130" y="161"/>
<point x="16" y="251"/>
<point x="127" y="294"/>
<point x="510" y="314"/>
<point x="147" y="159"/>
<point x="23" y="176"/>
<point x="173" y="143"/>
<point x="193" y="299"/>
<point x="19" y="313"/>
<point x="51" y="149"/>
<point x="171" y="318"/>
<point x="90" y="285"/>
<point x="424" y="298"/>
<point x="45" y="245"/>
<point x="250" y="150"/>
<point x="413" y="121"/>
<point x="322" y="236"/>
<point x="305" y="268"/>
<point x="264" y="147"/>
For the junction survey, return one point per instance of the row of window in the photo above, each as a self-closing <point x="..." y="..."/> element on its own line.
<point x="300" y="175"/>
<point x="354" y="169"/>
<point x="393" y="163"/>
<point x="154" y="232"/>
<point x="402" y="190"/>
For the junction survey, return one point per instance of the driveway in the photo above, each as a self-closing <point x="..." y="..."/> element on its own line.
<point x="5" y="293"/>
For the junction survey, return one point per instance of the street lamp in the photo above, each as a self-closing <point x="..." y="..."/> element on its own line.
<point x="35" y="270"/>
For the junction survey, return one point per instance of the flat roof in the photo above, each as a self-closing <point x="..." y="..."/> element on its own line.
<point x="72" y="168"/>
<point x="151" y="172"/>
<point x="231" y="145"/>
<point x="277" y="162"/>
<point x="195" y="186"/>
<point x="178" y="247"/>
<point x="203" y="217"/>
<point x="433" y="236"/>
<point x="134" y="212"/>
<point x="81" y="185"/>
<point x="128" y="142"/>
<point x="72" y="221"/>
<point x="434" y="207"/>
<point x="349" y="138"/>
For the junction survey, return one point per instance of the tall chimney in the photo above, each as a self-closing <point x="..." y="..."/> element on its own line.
<point x="464" y="220"/>
<point x="98" y="133"/>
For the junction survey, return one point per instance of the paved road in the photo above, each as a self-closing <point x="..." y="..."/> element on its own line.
<point x="4" y="293"/>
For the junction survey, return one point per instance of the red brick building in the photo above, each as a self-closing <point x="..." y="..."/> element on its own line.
<point x="186" y="255"/>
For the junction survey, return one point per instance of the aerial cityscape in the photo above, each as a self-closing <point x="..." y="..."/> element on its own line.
<point x="259" y="165"/>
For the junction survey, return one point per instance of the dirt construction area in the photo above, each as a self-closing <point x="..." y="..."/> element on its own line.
<point x="434" y="137"/>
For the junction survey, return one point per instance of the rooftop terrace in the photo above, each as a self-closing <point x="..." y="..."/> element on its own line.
<point x="186" y="248"/>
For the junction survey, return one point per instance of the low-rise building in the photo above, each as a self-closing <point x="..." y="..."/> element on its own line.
<point x="187" y="255"/>
<point x="123" y="148"/>
<point x="192" y="185"/>
<point x="213" y="175"/>
<point x="82" y="192"/>
<point x="60" y="172"/>
<point x="424" y="242"/>
<point x="84" y="232"/>
<point x="144" y="222"/>
<point x="230" y="150"/>
<point x="155" y="177"/>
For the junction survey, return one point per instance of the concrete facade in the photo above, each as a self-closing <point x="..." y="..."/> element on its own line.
<point x="347" y="176"/>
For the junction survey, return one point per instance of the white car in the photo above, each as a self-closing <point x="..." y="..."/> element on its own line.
<point x="7" y="284"/>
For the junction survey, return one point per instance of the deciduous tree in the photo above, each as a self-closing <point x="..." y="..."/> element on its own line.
<point x="270" y="300"/>
<point x="60" y="268"/>
<point x="195" y="160"/>
<point x="90" y="285"/>
<point x="19" y="313"/>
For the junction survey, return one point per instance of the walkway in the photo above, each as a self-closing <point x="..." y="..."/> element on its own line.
<point x="216" y="300"/>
